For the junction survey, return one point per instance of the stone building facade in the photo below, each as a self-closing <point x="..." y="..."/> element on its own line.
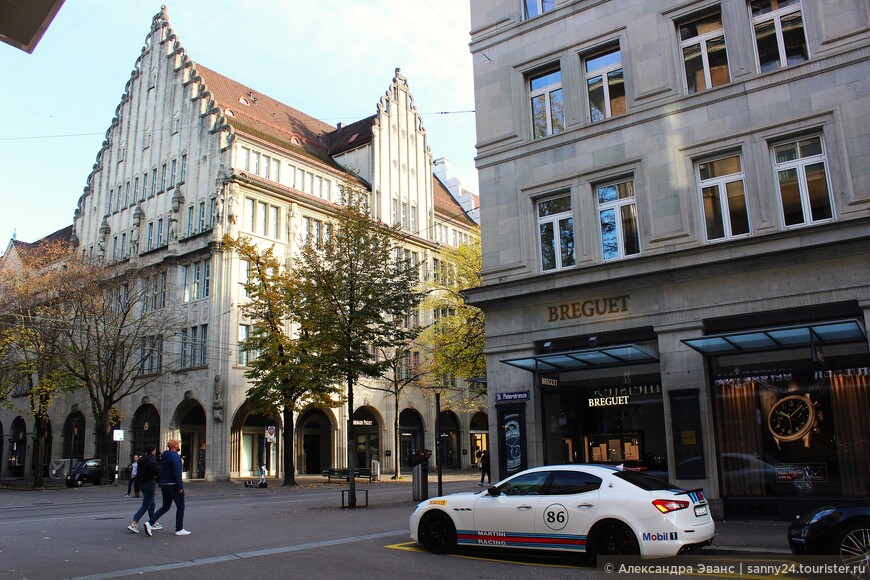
<point x="192" y="155"/>
<point x="675" y="209"/>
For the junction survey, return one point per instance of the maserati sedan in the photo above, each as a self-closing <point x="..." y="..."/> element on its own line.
<point x="578" y="508"/>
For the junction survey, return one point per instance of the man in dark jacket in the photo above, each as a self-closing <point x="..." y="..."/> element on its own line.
<point x="147" y="476"/>
<point x="172" y="489"/>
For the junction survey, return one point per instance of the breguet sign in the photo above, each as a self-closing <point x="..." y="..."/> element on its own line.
<point x="588" y="308"/>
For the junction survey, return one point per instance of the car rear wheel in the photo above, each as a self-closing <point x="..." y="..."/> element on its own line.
<point x="853" y="543"/>
<point x="437" y="532"/>
<point x="612" y="538"/>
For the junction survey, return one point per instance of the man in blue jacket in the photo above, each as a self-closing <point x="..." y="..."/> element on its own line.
<point x="172" y="489"/>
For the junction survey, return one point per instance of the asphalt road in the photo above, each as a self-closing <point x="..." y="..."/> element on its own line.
<point x="246" y="533"/>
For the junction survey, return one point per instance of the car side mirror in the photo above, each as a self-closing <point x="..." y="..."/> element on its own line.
<point x="493" y="491"/>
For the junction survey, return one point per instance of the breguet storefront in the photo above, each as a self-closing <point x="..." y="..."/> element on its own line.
<point x="766" y="411"/>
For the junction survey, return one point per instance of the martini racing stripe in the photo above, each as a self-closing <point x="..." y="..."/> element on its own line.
<point x="509" y="540"/>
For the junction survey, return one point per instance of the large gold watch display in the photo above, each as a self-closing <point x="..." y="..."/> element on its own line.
<point x="794" y="417"/>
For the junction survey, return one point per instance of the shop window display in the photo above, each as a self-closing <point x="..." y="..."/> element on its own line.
<point x="790" y="427"/>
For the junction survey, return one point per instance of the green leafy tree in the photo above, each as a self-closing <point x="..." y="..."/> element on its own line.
<point x="354" y="288"/>
<point x="285" y="370"/>
<point x="456" y="339"/>
<point x="30" y="359"/>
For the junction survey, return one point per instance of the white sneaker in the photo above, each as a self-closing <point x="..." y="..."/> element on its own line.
<point x="182" y="532"/>
<point x="133" y="528"/>
<point x="157" y="526"/>
<point x="148" y="529"/>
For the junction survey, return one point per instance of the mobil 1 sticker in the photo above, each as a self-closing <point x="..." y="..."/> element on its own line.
<point x="556" y="516"/>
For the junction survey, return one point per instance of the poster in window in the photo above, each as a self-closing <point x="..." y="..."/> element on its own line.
<point x="513" y="437"/>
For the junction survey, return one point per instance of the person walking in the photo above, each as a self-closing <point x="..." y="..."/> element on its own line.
<point x="133" y="469"/>
<point x="172" y="489"/>
<point x="148" y="474"/>
<point x="484" y="467"/>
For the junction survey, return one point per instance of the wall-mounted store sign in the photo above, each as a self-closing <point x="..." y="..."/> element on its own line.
<point x="365" y="422"/>
<point x="505" y="397"/>
<point x="588" y="308"/>
<point x="549" y="381"/>
<point x="608" y="401"/>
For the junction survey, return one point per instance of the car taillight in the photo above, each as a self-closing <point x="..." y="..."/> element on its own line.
<point x="670" y="505"/>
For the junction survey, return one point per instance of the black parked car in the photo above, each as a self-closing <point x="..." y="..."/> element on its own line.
<point x="87" y="471"/>
<point x="842" y="530"/>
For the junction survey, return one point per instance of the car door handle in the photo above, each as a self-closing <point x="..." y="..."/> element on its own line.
<point x="524" y="507"/>
<point x="585" y="505"/>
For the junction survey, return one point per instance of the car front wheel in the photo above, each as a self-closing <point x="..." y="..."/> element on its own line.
<point x="853" y="544"/>
<point x="437" y="532"/>
<point x="613" y="538"/>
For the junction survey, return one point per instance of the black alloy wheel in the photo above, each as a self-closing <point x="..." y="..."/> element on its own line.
<point x="437" y="533"/>
<point x="853" y="545"/>
<point x="613" y="538"/>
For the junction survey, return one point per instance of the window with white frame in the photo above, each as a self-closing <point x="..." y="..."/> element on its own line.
<point x="780" y="40"/>
<point x="556" y="232"/>
<point x="723" y="199"/>
<point x="244" y="157"/>
<point x="136" y="189"/>
<point x="249" y="214"/>
<point x="312" y="231"/>
<point x="196" y="280"/>
<point x="194" y="346"/>
<point x="244" y="277"/>
<point x="154" y="181"/>
<point x="159" y="232"/>
<point x="183" y="176"/>
<point x="545" y="96"/>
<point x="149" y="245"/>
<point x="705" y="60"/>
<point x="173" y="168"/>
<point x="261" y="218"/>
<point x="244" y="335"/>
<point x="802" y="181"/>
<point x="111" y="200"/>
<point x="144" y="184"/>
<point x="202" y="216"/>
<point x="151" y="355"/>
<point x="538" y="7"/>
<point x="605" y="83"/>
<point x="163" y="174"/>
<point x="190" y="222"/>
<point x="127" y="194"/>
<point x="617" y="217"/>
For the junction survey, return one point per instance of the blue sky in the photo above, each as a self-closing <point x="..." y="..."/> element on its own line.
<point x="331" y="59"/>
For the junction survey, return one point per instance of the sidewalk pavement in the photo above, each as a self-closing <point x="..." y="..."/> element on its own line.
<point x="732" y="536"/>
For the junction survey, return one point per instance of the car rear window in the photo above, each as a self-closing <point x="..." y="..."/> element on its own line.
<point x="645" y="482"/>
<point x="571" y="482"/>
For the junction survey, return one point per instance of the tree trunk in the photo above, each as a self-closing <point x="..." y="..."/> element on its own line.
<point x="351" y="447"/>
<point x="289" y="466"/>
<point x="103" y="432"/>
<point x="397" y="442"/>
<point x="39" y="456"/>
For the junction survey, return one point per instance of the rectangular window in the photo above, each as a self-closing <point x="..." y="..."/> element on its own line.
<point x="190" y="230"/>
<point x="203" y="345"/>
<point x="267" y="162"/>
<point x="244" y="155"/>
<point x="173" y="167"/>
<point x="127" y="194"/>
<point x="201" y="216"/>
<point x="206" y="278"/>
<point x="548" y="112"/>
<point x="197" y="280"/>
<point x="538" y="7"/>
<point x="395" y="211"/>
<point x="244" y="334"/>
<point x="114" y="248"/>
<point x="255" y="163"/>
<point x="556" y="233"/>
<point x="150" y="239"/>
<point x="720" y="184"/>
<point x="617" y="212"/>
<point x="249" y="214"/>
<point x="163" y="177"/>
<point x="159" y="232"/>
<point x="154" y="181"/>
<point x="144" y="184"/>
<point x="123" y="245"/>
<point x="605" y="83"/>
<point x="274" y="221"/>
<point x="309" y="183"/>
<point x="244" y="277"/>
<point x="136" y="189"/>
<point x="261" y="218"/>
<point x="779" y="33"/>
<point x="404" y="214"/>
<point x="704" y="57"/>
<point x="187" y="283"/>
<point x="111" y="199"/>
<point x="276" y="170"/>
<point x="161" y="298"/>
<point x="194" y="346"/>
<point x="414" y="218"/>
<point x="183" y="176"/>
<point x="300" y="179"/>
<point x="802" y="180"/>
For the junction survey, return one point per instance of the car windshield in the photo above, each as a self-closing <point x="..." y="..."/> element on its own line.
<point x="645" y="482"/>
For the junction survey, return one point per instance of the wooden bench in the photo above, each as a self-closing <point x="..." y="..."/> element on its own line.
<point x="343" y="474"/>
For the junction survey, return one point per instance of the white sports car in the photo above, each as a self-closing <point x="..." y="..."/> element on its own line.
<point x="593" y="509"/>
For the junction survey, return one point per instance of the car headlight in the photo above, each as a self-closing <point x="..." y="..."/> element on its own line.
<point x="820" y="514"/>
